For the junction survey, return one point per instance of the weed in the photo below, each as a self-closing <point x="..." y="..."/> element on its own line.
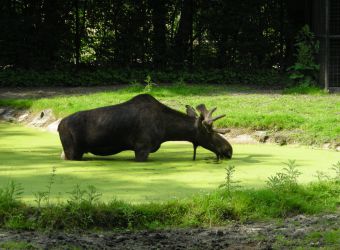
<point x="336" y="168"/>
<point x="45" y="195"/>
<point x="322" y="176"/>
<point x="92" y="195"/>
<point x="229" y="185"/>
<point x="50" y="184"/>
<point x="286" y="180"/>
<point x="77" y="195"/>
<point x="149" y="84"/>
<point x="39" y="197"/>
<point x="10" y="194"/>
<point x="286" y="189"/>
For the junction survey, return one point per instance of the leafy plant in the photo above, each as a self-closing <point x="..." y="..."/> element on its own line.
<point x="229" y="185"/>
<point x="336" y="168"/>
<point x="286" y="180"/>
<point x="92" y="194"/>
<point x="39" y="197"/>
<point x="10" y="194"/>
<point x="305" y="69"/>
<point x="89" y="195"/>
<point x="149" y="84"/>
<point x="50" y="183"/>
<point x="286" y="190"/>
<point x="322" y="176"/>
<point x="77" y="195"/>
<point x="45" y="195"/>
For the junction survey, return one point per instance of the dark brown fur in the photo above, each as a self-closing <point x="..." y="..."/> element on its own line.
<point x="141" y="124"/>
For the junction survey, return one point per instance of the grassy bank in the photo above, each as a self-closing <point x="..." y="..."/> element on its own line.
<point x="308" y="119"/>
<point x="84" y="211"/>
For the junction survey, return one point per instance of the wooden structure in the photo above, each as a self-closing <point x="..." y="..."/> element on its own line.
<point x="326" y="26"/>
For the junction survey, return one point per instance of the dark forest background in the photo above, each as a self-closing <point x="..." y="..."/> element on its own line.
<point x="160" y="35"/>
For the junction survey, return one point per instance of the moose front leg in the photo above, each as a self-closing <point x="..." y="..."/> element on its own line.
<point x="141" y="155"/>
<point x="195" y="147"/>
<point x="142" y="151"/>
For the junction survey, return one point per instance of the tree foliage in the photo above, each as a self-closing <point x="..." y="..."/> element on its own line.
<point x="158" y="34"/>
<point x="305" y="70"/>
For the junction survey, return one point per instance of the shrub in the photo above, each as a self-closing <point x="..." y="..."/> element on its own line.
<point x="96" y="77"/>
<point x="305" y="70"/>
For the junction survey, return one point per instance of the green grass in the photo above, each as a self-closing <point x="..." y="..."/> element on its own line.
<point x="310" y="119"/>
<point x="213" y="209"/>
<point x="304" y="89"/>
<point x="329" y="239"/>
<point x="15" y="245"/>
<point x="28" y="156"/>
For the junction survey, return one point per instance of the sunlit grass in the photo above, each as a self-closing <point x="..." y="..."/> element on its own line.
<point x="312" y="118"/>
<point x="28" y="155"/>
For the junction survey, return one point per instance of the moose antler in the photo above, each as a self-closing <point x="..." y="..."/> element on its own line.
<point x="203" y="110"/>
<point x="207" y="119"/>
<point x="221" y="130"/>
<point x="191" y="111"/>
<point x="207" y="115"/>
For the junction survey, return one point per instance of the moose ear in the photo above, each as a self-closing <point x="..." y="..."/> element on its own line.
<point x="191" y="111"/>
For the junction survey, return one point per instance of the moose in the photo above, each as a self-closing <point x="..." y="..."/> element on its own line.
<point x="141" y="124"/>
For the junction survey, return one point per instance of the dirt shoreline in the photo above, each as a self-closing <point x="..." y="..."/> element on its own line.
<point x="289" y="233"/>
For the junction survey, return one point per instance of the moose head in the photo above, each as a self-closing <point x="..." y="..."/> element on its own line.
<point x="207" y="136"/>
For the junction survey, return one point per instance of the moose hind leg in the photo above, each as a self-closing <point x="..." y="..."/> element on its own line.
<point x="74" y="155"/>
<point x="71" y="150"/>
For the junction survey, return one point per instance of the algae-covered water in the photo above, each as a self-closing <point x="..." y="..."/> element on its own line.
<point x="27" y="156"/>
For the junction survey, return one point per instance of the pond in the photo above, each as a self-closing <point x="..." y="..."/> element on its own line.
<point x="28" y="156"/>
